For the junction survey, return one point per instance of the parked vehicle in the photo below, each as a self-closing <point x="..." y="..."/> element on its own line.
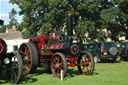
<point x="103" y="51"/>
<point x="124" y="51"/>
<point x="53" y="51"/>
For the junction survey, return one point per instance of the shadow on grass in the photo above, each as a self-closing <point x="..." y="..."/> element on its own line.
<point x="30" y="77"/>
<point x="109" y="61"/>
<point x="95" y="73"/>
<point x="3" y="82"/>
<point x="25" y="79"/>
<point x="3" y="78"/>
<point x="73" y="73"/>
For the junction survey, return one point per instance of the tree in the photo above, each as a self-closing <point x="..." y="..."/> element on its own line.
<point x="41" y="15"/>
<point x="13" y="20"/>
<point x="109" y="14"/>
<point x="115" y="18"/>
<point x="90" y="17"/>
<point x="3" y="29"/>
<point x="123" y="16"/>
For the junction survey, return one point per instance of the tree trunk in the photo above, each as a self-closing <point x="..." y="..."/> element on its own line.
<point x="126" y="37"/>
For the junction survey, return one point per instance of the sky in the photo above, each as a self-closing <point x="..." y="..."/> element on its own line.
<point x="5" y="8"/>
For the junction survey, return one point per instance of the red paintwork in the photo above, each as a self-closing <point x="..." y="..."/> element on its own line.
<point x="2" y="47"/>
<point x="45" y="38"/>
<point x="41" y="41"/>
<point x="58" y="46"/>
<point x="72" y="61"/>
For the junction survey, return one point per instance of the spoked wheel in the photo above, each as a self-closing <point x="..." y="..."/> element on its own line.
<point x="86" y="64"/>
<point x="3" y="47"/>
<point x="30" y="57"/>
<point x="15" y="73"/>
<point x="58" y="64"/>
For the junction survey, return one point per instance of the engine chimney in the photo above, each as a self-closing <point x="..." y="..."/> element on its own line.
<point x="69" y="24"/>
<point x="1" y="22"/>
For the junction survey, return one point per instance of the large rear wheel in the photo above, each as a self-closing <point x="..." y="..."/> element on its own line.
<point x="30" y="57"/>
<point x="35" y="50"/>
<point x="86" y="63"/>
<point x="58" y="64"/>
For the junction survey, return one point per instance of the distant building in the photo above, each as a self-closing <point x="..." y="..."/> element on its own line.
<point x="11" y="35"/>
<point x="13" y="39"/>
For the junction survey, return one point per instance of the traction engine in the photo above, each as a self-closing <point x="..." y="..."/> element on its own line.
<point x="10" y="63"/>
<point x="52" y="51"/>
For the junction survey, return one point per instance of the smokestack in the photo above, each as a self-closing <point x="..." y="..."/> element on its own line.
<point x="69" y="24"/>
<point x="1" y="22"/>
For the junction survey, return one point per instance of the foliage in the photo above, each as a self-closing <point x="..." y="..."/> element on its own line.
<point x="123" y="16"/>
<point x="21" y="26"/>
<point x="26" y="34"/>
<point x="13" y="20"/>
<point x="90" y="17"/>
<point x="3" y="29"/>
<point x="116" y="18"/>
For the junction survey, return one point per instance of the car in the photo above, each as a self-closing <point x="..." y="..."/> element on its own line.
<point x="124" y="51"/>
<point x="103" y="51"/>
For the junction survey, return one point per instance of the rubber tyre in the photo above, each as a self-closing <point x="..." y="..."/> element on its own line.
<point x="17" y="68"/>
<point x="36" y="58"/>
<point x="62" y="58"/>
<point x="88" y="57"/>
<point x="113" y="51"/>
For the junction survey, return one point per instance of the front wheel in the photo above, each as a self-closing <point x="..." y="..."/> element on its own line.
<point x="86" y="63"/>
<point x="58" y="64"/>
<point x="15" y="73"/>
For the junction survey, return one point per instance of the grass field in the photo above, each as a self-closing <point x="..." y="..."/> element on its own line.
<point x="105" y="74"/>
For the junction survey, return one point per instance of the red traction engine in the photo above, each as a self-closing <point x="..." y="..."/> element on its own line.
<point x="52" y="51"/>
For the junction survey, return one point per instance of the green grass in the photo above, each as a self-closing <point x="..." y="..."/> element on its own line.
<point x="105" y="74"/>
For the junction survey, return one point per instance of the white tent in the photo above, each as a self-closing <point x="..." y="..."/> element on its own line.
<point x="14" y="44"/>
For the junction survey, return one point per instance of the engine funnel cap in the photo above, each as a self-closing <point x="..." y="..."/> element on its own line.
<point x="69" y="13"/>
